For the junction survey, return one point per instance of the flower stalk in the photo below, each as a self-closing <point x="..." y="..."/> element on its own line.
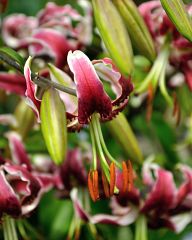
<point x="141" y="228"/>
<point x="157" y="74"/>
<point x="9" y="230"/>
<point x="40" y="81"/>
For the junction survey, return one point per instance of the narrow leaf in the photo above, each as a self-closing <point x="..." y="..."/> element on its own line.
<point x="14" y="56"/>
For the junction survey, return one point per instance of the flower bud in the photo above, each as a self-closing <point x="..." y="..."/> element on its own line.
<point x="175" y="10"/>
<point x="25" y="118"/>
<point x="53" y="125"/>
<point x="122" y="131"/>
<point x="138" y="31"/>
<point x="114" y="34"/>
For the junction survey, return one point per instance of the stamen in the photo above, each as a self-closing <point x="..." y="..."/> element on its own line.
<point x="130" y="175"/>
<point x="96" y="184"/>
<point x="105" y="185"/>
<point x="125" y="177"/>
<point x="90" y="187"/>
<point x="112" y="178"/>
<point x="93" y="185"/>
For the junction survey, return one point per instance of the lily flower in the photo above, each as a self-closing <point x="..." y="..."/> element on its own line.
<point x="52" y="33"/>
<point x="92" y="105"/>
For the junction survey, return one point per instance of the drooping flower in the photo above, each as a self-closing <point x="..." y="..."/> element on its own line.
<point x="91" y="95"/>
<point x="92" y="105"/>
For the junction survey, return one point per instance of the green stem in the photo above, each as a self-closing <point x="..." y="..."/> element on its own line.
<point x="40" y="81"/>
<point x="96" y="129"/>
<point x="9" y="230"/>
<point x="104" y="163"/>
<point x="141" y="228"/>
<point x="104" y="145"/>
<point x="93" y="147"/>
<point x="156" y="70"/>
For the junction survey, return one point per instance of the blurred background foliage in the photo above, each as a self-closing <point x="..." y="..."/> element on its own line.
<point x="32" y="7"/>
<point x="54" y="216"/>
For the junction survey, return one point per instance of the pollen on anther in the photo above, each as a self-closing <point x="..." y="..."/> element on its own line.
<point x="93" y="185"/>
<point x="112" y="178"/>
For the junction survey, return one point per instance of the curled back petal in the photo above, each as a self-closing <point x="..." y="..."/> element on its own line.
<point x="18" y="152"/>
<point x="186" y="188"/>
<point x="26" y="185"/>
<point x="9" y="203"/>
<point x="32" y="101"/>
<point x="120" y="85"/>
<point x="123" y="220"/>
<point x="162" y="196"/>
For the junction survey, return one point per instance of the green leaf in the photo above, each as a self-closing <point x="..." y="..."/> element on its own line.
<point x="14" y="56"/>
<point x="136" y="27"/>
<point x="114" y="34"/>
<point x="177" y="13"/>
<point x="53" y="125"/>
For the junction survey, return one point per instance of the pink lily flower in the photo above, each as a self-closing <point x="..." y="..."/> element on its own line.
<point x="51" y="33"/>
<point x="90" y="91"/>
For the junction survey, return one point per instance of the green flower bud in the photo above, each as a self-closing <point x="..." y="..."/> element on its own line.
<point x="53" y="125"/>
<point x="177" y="13"/>
<point x="138" y="31"/>
<point x="114" y="34"/>
<point x="122" y="131"/>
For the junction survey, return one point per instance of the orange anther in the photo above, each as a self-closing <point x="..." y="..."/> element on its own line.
<point x="112" y="178"/>
<point x="127" y="172"/>
<point x="125" y="177"/>
<point x="96" y="184"/>
<point x="93" y="185"/>
<point x="105" y="186"/>
<point x="90" y="186"/>
<point x="130" y="175"/>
